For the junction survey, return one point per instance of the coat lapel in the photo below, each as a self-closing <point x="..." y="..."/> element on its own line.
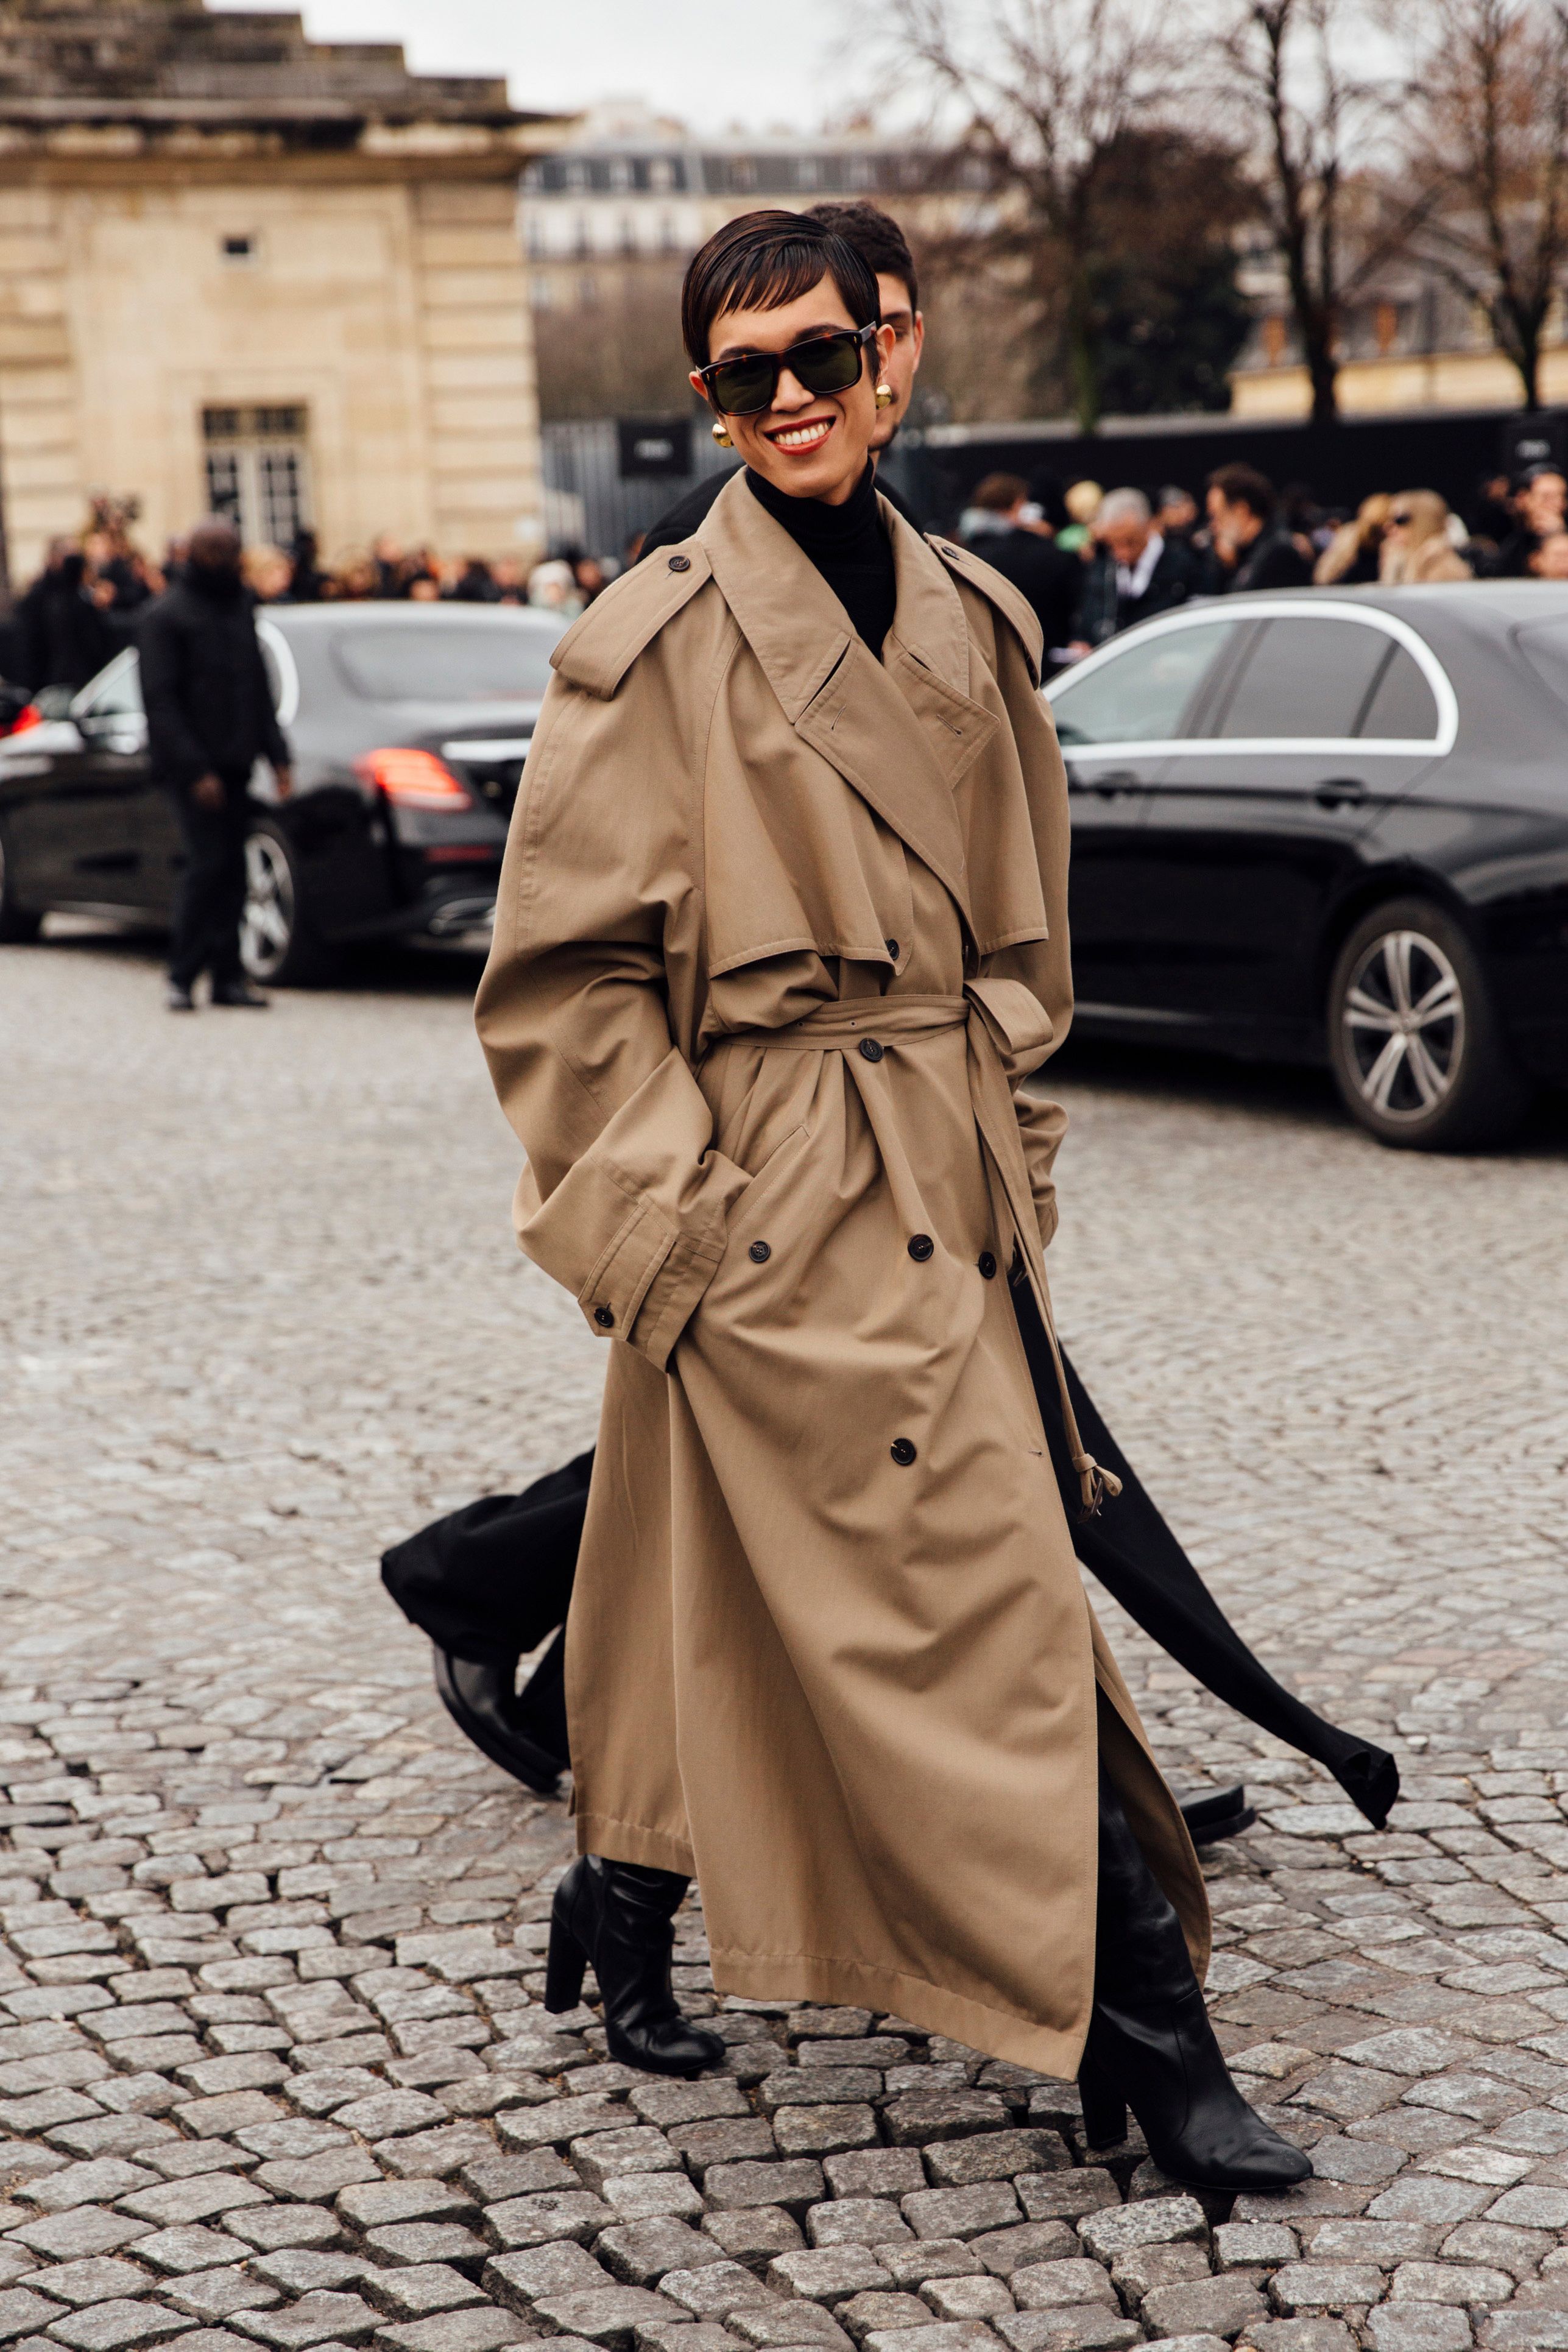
<point x="903" y="730"/>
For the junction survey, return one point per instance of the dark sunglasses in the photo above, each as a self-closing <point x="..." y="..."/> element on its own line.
<point x="745" y="385"/>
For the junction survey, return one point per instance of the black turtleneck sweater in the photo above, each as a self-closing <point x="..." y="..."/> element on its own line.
<point x="848" y="547"/>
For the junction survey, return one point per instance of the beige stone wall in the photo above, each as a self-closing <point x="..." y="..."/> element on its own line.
<point x="1371" y="387"/>
<point x="39" y="426"/>
<point x="395" y="310"/>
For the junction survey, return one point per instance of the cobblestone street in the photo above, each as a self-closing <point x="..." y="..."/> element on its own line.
<point x="274" y="2069"/>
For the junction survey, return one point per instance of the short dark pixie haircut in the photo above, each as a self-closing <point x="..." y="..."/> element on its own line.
<point x="875" y="238"/>
<point x="763" y="260"/>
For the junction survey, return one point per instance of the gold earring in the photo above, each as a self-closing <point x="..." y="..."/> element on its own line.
<point x="885" y="396"/>
<point x="722" y="433"/>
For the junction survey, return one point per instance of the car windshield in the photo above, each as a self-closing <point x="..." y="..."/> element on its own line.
<point x="402" y="661"/>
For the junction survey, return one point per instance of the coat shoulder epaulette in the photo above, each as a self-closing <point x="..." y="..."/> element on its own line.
<point x="1014" y="606"/>
<point x="598" y="649"/>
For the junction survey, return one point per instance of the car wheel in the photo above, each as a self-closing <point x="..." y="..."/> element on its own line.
<point x="277" y="944"/>
<point x="1418" y="1048"/>
<point x="17" y="924"/>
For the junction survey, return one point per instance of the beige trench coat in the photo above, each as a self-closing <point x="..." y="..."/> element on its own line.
<point x="780" y="930"/>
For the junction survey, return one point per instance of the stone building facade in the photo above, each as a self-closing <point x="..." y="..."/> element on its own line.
<point x="244" y="269"/>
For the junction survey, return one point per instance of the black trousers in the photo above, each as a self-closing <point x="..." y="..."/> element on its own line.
<point x="490" y="1581"/>
<point x="212" y="887"/>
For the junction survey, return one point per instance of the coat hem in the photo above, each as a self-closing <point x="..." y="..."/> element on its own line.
<point x="858" y="1984"/>
<point x="634" y="1842"/>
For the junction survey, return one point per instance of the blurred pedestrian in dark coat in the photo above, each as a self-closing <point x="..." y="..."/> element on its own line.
<point x="209" y="719"/>
<point x="1134" y="572"/>
<point x="1252" y="550"/>
<point x="62" y="637"/>
<point x="1027" y="555"/>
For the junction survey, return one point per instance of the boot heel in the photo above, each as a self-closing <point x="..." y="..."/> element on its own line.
<point x="565" y="1966"/>
<point x="1104" y="2110"/>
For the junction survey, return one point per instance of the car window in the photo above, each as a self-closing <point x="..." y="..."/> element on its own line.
<point x="1142" y="693"/>
<point x="1403" y="707"/>
<point x="1308" y="677"/>
<point x="115" y="693"/>
<point x="401" y="661"/>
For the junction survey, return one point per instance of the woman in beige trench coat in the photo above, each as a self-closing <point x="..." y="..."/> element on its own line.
<point x="782" y="929"/>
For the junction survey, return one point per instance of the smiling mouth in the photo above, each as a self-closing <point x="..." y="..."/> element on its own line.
<point x="802" y="438"/>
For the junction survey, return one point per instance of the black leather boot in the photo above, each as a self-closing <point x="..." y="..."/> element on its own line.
<point x="482" y="1701"/>
<point x="1151" y="2046"/>
<point x="616" y="1916"/>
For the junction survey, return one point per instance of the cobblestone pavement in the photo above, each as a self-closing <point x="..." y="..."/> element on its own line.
<point x="274" y="2069"/>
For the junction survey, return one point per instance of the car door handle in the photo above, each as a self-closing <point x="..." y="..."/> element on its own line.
<point x="1119" y="780"/>
<point x="1340" y="792"/>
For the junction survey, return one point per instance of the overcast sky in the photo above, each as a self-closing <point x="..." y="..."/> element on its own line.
<point x="708" y="64"/>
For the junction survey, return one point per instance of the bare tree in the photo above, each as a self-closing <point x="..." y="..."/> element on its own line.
<point x="1333" y="221"/>
<point x="1046" y="92"/>
<point x="1490" y="139"/>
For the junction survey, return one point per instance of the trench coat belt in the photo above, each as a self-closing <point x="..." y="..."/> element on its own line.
<point x="1007" y="1033"/>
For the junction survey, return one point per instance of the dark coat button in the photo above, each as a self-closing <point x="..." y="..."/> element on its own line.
<point x="902" y="1452"/>
<point x="922" y="1246"/>
<point x="870" y="1048"/>
<point x="987" y="1265"/>
<point x="680" y="563"/>
<point x="892" y="948"/>
<point x="603" y="1317"/>
<point x="759" y="1253"/>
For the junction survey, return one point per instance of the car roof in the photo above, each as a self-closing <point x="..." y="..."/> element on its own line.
<point x="1497" y="603"/>
<point x="325" y="619"/>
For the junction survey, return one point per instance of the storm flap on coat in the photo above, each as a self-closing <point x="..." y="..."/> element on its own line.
<point x="781" y="927"/>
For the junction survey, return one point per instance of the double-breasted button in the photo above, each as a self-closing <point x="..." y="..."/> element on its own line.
<point x="759" y="1253"/>
<point x="922" y="1246"/>
<point x="987" y="1265"/>
<point x="892" y="948"/>
<point x="604" y="1318"/>
<point x="870" y="1048"/>
<point x="902" y="1452"/>
<point x="680" y="563"/>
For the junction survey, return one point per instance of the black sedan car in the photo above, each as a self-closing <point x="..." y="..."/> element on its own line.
<point x="409" y="725"/>
<point x="1322" y="826"/>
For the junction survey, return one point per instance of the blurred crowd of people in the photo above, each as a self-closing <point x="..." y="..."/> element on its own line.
<point x="1090" y="561"/>
<point x="1093" y="562"/>
<point x="82" y="607"/>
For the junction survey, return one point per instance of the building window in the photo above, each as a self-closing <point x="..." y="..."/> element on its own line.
<point x="543" y="293"/>
<point x="661" y="175"/>
<point x="667" y="240"/>
<point x="584" y="234"/>
<point x="237" y="252"/>
<point x="621" y="177"/>
<point x="258" y="471"/>
<point x="534" y="235"/>
<point x="587" y="290"/>
<point x="628" y="233"/>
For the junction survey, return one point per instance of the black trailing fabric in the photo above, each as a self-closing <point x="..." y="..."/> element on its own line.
<point x="490" y="1582"/>
<point x="848" y="547"/>
<point x="1137" y="1558"/>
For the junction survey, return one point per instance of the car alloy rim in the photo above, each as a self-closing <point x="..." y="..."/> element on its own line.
<point x="267" y="924"/>
<point x="1403" y="1022"/>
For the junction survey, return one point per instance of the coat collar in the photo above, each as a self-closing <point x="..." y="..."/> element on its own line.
<point x="903" y="730"/>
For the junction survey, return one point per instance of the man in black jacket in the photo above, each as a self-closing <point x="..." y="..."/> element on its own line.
<point x="1030" y="559"/>
<point x="1134" y="572"/>
<point x="209" y="719"/>
<point x="1250" y="550"/>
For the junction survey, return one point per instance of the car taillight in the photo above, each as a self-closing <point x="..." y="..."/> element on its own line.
<point x="29" y="716"/>
<point x="414" y="780"/>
